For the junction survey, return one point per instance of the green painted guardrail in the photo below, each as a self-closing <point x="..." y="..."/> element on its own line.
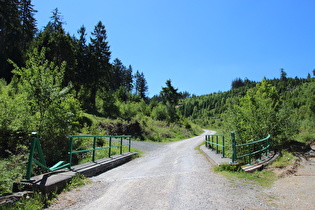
<point x="35" y="145"/>
<point x="216" y="142"/>
<point x="249" y="149"/>
<point x="95" y="148"/>
<point x="40" y="160"/>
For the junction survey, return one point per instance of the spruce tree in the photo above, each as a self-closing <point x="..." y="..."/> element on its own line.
<point x="28" y="23"/>
<point x="10" y="36"/>
<point x="118" y="74"/>
<point x="141" y="85"/>
<point x="99" y="69"/>
<point x="128" y="79"/>
<point x="170" y="94"/>
<point x="59" y="46"/>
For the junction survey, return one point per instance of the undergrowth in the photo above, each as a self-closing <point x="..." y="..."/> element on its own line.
<point x="284" y="160"/>
<point x="35" y="202"/>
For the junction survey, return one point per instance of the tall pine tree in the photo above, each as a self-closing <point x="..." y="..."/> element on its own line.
<point x="141" y="85"/>
<point x="10" y="36"/>
<point x="28" y="23"/>
<point x="99" y="69"/>
<point x="59" y="46"/>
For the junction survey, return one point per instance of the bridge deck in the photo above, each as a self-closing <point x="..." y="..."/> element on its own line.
<point x="56" y="181"/>
<point x="214" y="158"/>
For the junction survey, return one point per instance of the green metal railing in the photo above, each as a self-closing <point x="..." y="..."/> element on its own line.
<point x="249" y="150"/>
<point x="117" y="139"/>
<point x="35" y="145"/>
<point x="38" y="157"/>
<point x="255" y="148"/>
<point x="216" y="142"/>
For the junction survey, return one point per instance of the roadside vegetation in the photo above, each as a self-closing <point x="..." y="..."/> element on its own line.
<point x="262" y="178"/>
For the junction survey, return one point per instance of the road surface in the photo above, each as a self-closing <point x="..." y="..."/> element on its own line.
<point x="169" y="176"/>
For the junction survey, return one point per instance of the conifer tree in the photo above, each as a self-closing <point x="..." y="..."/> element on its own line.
<point x="10" y="36"/>
<point x="128" y="79"/>
<point x="28" y="23"/>
<point x="99" y="69"/>
<point x="118" y="74"/>
<point x="82" y="59"/>
<point x="59" y="46"/>
<point x="170" y="94"/>
<point x="141" y="85"/>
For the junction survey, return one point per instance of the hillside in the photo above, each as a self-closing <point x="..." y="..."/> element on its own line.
<point x="287" y="104"/>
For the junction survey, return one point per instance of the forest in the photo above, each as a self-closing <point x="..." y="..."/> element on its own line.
<point x="59" y="84"/>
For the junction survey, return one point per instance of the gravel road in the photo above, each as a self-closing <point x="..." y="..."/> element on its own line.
<point x="169" y="176"/>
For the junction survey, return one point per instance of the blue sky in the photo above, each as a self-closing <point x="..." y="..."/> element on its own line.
<point x="201" y="45"/>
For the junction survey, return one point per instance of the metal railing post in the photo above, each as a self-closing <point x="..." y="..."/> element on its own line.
<point x="70" y="151"/>
<point x="94" y="146"/>
<point x="129" y="143"/>
<point x="212" y="142"/>
<point x="110" y="147"/>
<point x="30" y="158"/>
<point x="217" y="141"/>
<point x="249" y="156"/>
<point x="121" y="144"/>
<point x="233" y="147"/>
<point x="207" y="141"/>
<point x="223" y="147"/>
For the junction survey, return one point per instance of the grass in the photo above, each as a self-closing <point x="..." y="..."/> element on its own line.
<point x="36" y="202"/>
<point x="262" y="178"/>
<point x="77" y="181"/>
<point x="284" y="160"/>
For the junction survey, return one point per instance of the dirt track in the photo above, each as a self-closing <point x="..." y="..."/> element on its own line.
<point x="176" y="176"/>
<point x="296" y="189"/>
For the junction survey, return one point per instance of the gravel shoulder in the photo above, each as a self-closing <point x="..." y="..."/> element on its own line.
<point x="294" y="189"/>
<point x="176" y="176"/>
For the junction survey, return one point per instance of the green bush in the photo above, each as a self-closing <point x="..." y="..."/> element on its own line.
<point x="13" y="169"/>
<point x="51" y="108"/>
<point x="259" y="113"/>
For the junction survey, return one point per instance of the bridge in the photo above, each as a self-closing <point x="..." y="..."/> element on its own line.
<point x="169" y="176"/>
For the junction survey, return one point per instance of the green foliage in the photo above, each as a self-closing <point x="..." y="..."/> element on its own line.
<point x="303" y="100"/>
<point x="227" y="167"/>
<point x="159" y="112"/>
<point x="77" y="181"/>
<point x="259" y="113"/>
<point x="15" y="118"/>
<point x="284" y="160"/>
<point x="34" y="202"/>
<point x="13" y="168"/>
<point x="55" y="112"/>
<point x="17" y="31"/>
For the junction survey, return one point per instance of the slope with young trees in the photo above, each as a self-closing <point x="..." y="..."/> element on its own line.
<point x="281" y="107"/>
